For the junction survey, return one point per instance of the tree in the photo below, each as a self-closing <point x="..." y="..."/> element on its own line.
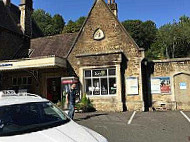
<point x="73" y="27"/>
<point x="47" y="24"/>
<point x="144" y="33"/>
<point x="172" y="40"/>
<point x="58" y="23"/>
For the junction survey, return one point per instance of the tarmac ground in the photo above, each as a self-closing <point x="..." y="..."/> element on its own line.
<point x="167" y="126"/>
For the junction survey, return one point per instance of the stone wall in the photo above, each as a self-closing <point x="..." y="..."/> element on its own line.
<point x="179" y="71"/>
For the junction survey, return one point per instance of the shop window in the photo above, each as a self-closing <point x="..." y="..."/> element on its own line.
<point x="112" y="85"/>
<point x="100" y="81"/>
<point x="88" y="86"/>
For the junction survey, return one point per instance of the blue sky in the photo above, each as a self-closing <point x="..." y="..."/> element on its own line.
<point x="159" y="11"/>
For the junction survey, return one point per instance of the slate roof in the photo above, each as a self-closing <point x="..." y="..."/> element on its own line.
<point x="7" y="21"/>
<point x="58" y="45"/>
<point x="11" y="20"/>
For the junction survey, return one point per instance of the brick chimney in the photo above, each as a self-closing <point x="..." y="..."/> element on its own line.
<point x="26" y="8"/>
<point x="113" y="7"/>
<point x="7" y="3"/>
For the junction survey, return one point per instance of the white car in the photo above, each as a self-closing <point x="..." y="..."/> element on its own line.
<point x="30" y="118"/>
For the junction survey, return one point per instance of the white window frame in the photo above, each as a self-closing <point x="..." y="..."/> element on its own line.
<point x="100" y="77"/>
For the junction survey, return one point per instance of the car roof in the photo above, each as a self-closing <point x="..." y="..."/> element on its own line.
<point x="13" y="99"/>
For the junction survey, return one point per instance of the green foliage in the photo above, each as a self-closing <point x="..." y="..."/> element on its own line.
<point x="172" y="40"/>
<point x="73" y="27"/>
<point x="49" y="25"/>
<point x="144" y="33"/>
<point x="85" y="105"/>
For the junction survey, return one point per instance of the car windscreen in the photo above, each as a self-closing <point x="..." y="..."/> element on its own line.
<point x="30" y="117"/>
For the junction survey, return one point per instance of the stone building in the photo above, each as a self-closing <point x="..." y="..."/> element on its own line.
<point x="111" y="68"/>
<point x="16" y="29"/>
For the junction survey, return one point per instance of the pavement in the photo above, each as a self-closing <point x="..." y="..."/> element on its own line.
<point x="168" y="126"/>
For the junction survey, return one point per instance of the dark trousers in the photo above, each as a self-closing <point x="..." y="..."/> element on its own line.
<point x="71" y="110"/>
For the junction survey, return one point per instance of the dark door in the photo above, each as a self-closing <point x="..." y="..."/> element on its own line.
<point x="54" y="89"/>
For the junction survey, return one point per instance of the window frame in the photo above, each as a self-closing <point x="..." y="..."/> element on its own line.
<point x="107" y="77"/>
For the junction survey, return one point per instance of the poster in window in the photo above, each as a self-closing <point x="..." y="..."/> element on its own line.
<point x="163" y="82"/>
<point x="132" y="85"/>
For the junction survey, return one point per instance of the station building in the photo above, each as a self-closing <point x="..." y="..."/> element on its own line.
<point x="111" y="68"/>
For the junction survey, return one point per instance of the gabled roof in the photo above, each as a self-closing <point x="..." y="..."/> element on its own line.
<point x="58" y="45"/>
<point x="127" y="35"/>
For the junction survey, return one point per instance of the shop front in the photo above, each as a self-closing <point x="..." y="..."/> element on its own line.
<point x="35" y="75"/>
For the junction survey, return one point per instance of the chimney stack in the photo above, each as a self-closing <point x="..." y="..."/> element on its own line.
<point x="26" y="8"/>
<point x="113" y="6"/>
<point x="7" y="3"/>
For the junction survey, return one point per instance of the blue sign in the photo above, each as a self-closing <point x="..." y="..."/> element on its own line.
<point x="5" y="65"/>
<point x="183" y="85"/>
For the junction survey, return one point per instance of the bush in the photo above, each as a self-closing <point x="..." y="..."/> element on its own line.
<point x="85" y="105"/>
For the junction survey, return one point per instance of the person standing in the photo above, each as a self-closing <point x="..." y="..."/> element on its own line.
<point x="71" y="100"/>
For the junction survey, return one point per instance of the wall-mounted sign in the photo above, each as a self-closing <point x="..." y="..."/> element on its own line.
<point x="160" y="85"/>
<point x="183" y="85"/>
<point x="97" y="73"/>
<point x="132" y="86"/>
<point x="99" y="34"/>
<point x="155" y="86"/>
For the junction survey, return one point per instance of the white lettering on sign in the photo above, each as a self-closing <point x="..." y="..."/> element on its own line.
<point x="5" y="65"/>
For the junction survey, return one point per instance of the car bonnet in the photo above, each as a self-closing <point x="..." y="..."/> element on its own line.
<point x="70" y="132"/>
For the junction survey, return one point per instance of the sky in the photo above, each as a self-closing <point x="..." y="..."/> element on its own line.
<point x="159" y="11"/>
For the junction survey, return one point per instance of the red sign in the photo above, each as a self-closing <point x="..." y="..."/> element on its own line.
<point x="165" y="89"/>
<point x="69" y="81"/>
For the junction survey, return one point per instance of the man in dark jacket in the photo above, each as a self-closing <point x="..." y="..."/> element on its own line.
<point x="71" y="100"/>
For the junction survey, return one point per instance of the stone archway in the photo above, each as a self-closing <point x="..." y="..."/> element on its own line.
<point x="182" y="90"/>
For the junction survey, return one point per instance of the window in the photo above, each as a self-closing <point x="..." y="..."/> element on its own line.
<point x="16" y="81"/>
<point x="100" y="82"/>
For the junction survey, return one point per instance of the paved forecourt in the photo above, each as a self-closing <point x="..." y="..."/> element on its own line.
<point x="139" y="126"/>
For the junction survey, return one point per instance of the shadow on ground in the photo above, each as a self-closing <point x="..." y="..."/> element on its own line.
<point x="88" y="116"/>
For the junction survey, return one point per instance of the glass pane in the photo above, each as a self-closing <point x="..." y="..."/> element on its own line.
<point x="112" y="72"/>
<point x="88" y="73"/>
<point x="24" y="80"/>
<point x="97" y="73"/>
<point x="96" y="87"/>
<point x="89" y="88"/>
<point x="112" y="85"/>
<point x="14" y="81"/>
<point x="29" y="80"/>
<point x="19" y="81"/>
<point x="104" y="86"/>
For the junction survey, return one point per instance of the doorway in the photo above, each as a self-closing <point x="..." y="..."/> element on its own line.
<point x="54" y="89"/>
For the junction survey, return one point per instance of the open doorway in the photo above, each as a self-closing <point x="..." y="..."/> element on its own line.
<point x="54" y="89"/>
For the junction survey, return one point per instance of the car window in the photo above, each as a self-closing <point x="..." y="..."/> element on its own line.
<point x="29" y="117"/>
